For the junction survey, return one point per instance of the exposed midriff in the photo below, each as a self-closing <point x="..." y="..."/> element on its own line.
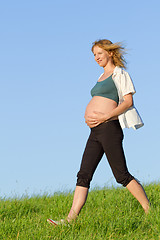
<point x="100" y="104"/>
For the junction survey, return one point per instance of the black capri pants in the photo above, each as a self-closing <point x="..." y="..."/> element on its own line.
<point x="105" y="138"/>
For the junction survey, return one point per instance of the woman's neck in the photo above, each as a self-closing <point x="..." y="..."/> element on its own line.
<point x="109" y="68"/>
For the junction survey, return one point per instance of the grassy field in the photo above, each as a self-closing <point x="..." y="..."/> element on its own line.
<point x="108" y="214"/>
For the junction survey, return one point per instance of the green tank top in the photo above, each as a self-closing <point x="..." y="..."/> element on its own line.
<point x="106" y="88"/>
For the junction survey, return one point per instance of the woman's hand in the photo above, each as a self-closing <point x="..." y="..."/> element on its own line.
<point x="95" y="119"/>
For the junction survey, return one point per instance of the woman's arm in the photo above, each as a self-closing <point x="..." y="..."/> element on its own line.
<point x="121" y="108"/>
<point x="98" y="117"/>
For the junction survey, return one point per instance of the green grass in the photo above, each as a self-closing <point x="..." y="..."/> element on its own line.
<point x="108" y="214"/>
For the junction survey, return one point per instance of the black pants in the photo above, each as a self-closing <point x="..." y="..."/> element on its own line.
<point x="105" y="138"/>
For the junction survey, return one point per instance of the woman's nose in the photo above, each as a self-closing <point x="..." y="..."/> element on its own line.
<point x="97" y="57"/>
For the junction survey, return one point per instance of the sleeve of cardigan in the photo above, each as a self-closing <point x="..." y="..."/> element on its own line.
<point x="127" y="85"/>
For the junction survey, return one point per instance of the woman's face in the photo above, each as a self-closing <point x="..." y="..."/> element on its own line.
<point x="102" y="57"/>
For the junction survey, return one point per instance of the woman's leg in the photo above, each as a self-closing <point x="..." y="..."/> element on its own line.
<point x="92" y="155"/>
<point x="116" y="158"/>
<point x="138" y="192"/>
<point x="80" y="197"/>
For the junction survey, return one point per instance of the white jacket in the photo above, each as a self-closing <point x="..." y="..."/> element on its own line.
<point x="124" y="84"/>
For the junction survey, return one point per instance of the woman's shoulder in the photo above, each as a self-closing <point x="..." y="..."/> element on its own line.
<point x="121" y="75"/>
<point x="119" y="70"/>
<point x="123" y="80"/>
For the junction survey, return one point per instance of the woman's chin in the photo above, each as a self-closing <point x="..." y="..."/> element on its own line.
<point x="101" y="65"/>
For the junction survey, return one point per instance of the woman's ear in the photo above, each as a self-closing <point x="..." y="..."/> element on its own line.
<point x="110" y="54"/>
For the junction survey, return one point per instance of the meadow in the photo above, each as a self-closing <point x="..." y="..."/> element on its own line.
<point x="109" y="213"/>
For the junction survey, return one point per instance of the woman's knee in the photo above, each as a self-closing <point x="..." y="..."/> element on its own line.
<point x="83" y="179"/>
<point x="124" y="179"/>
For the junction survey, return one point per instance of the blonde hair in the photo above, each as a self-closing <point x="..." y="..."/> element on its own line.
<point x="116" y="49"/>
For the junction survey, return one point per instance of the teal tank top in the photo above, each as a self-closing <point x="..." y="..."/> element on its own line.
<point x="106" y="88"/>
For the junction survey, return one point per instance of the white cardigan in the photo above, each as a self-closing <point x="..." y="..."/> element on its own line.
<point x="124" y="84"/>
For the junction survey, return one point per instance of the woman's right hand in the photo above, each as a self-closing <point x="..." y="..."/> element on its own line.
<point x="95" y="119"/>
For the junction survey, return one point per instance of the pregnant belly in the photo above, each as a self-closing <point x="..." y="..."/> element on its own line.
<point x="100" y="104"/>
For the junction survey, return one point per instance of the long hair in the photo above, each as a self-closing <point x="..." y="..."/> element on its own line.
<point x="116" y="49"/>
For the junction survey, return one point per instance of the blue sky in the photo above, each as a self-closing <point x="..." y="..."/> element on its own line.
<point x="46" y="72"/>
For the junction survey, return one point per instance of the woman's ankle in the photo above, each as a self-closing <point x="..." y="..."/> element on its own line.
<point x="72" y="215"/>
<point x="146" y="208"/>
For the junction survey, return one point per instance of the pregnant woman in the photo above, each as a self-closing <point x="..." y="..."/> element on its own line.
<point x="109" y="111"/>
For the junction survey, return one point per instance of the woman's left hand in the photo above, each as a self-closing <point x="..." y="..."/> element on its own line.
<point x="96" y="118"/>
